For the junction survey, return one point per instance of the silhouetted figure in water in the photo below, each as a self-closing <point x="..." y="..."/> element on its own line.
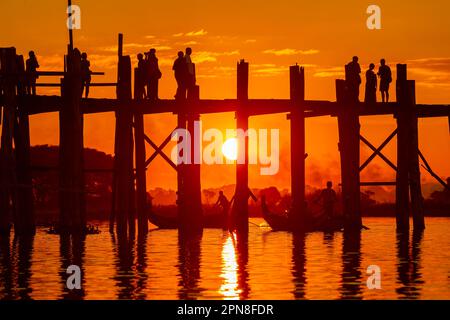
<point x="140" y="78"/>
<point x="181" y="72"/>
<point x="190" y="78"/>
<point x="371" y="85"/>
<point x="153" y="74"/>
<point x="31" y="71"/>
<point x="385" y="74"/>
<point x="353" y="78"/>
<point x="85" y="74"/>
<point x="223" y="202"/>
<point x="328" y="198"/>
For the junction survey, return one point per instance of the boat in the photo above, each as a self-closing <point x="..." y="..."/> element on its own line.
<point x="280" y="221"/>
<point x="167" y="218"/>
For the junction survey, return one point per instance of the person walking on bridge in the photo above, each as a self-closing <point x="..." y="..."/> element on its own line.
<point x="353" y="78"/>
<point x="153" y="75"/>
<point x="385" y="74"/>
<point x="190" y="79"/>
<point x="140" y="78"/>
<point x="371" y="85"/>
<point x="181" y="73"/>
<point x="31" y="73"/>
<point x="85" y="74"/>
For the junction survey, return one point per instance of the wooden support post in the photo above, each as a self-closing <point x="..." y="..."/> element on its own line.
<point x="7" y="164"/>
<point x="181" y="192"/>
<point x="141" y="181"/>
<point x="25" y="212"/>
<point x="71" y="182"/>
<point x="349" y="148"/>
<point x="123" y="187"/>
<point x="192" y="219"/>
<point x="240" y="209"/>
<point x="408" y="170"/>
<point x="297" y="118"/>
<point x="402" y="187"/>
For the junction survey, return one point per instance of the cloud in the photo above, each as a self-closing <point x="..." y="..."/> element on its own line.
<point x="329" y="72"/>
<point x="430" y="72"/>
<point x="290" y="52"/>
<point x="198" y="33"/>
<point x="209" y="56"/>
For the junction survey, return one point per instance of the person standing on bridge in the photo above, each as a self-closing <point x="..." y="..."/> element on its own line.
<point x="85" y="74"/>
<point x="353" y="78"/>
<point x="190" y="79"/>
<point x="140" y="78"/>
<point x="371" y="85"/>
<point x="181" y="73"/>
<point x="385" y="74"/>
<point x="153" y="75"/>
<point x="31" y="73"/>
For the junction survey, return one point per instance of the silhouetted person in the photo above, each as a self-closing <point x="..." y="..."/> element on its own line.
<point x="328" y="198"/>
<point x="371" y="85"/>
<point x="181" y="72"/>
<point x="140" y="78"/>
<point x="31" y="70"/>
<point x="385" y="74"/>
<point x="85" y="74"/>
<point x="153" y="75"/>
<point x="223" y="202"/>
<point x="190" y="79"/>
<point x="353" y="78"/>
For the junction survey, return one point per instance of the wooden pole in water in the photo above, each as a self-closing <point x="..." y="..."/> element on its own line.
<point x="181" y="192"/>
<point x="297" y="118"/>
<point x="141" y="179"/>
<point x="193" y="219"/>
<point x="72" y="194"/>
<point x="7" y="165"/>
<point x="123" y="159"/>
<point x="240" y="209"/>
<point x="402" y="179"/>
<point x="408" y="174"/>
<point x="349" y="148"/>
<point x="25" y="223"/>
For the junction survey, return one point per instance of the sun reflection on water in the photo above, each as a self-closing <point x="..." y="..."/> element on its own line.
<point x="230" y="286"/>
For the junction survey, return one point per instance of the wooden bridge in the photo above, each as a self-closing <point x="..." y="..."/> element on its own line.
<point x="130" y="160"/>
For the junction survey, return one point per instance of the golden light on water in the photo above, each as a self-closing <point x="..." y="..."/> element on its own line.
<point x="230" y="286"/>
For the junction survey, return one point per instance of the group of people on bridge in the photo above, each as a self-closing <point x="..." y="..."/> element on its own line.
<point x="31" y="73"/>
<point x="353" y="81"/>
<point x="148" y="75"/>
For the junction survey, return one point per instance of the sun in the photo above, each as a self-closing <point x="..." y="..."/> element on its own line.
<point x="230" y="149"/>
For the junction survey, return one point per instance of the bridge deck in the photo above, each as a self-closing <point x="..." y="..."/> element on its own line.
<point x="313" y="108"/>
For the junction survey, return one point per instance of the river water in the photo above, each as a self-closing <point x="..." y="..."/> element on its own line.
<point x="219" y="265"/>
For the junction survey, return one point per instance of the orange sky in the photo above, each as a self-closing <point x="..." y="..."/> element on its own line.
<point x="321" y="35"/>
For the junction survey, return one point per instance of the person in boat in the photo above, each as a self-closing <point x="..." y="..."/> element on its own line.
<point x="223" y="202"/>
<point x="328" y="198"/>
